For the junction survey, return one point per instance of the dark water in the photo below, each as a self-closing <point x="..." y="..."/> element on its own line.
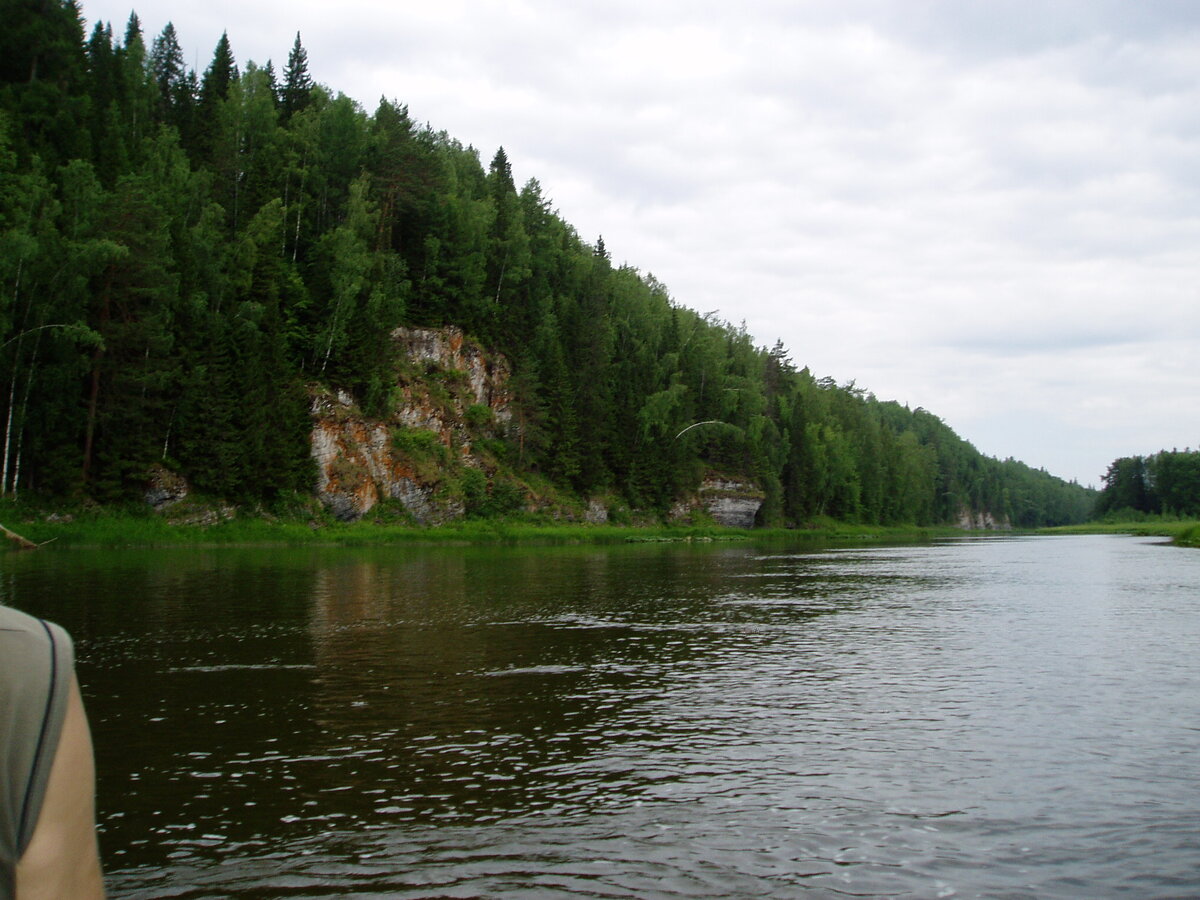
<point x="995" y="718"/>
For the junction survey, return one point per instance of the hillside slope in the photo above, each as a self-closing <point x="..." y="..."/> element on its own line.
<point x="190" y="261"/>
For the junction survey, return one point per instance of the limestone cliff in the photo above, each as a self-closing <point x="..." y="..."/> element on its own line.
<point x="449" y="394"/>
<point x="731" y="502"/>
<point x="450" y="405"/>
<point x="975" y="520"/>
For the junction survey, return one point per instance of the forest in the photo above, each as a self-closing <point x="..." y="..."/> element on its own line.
<point x="1166" y="483"/>
<point x="185" y="256"/>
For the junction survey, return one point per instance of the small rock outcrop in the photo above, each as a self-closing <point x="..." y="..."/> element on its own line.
<point x="981" y="520"/>
<point x="164" y="487"/>
<point x="169" y="494"/>
<point x="596" y="512"/>
<point x="729" y="501"/>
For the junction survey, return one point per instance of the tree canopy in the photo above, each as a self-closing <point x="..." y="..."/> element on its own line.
<point x="183" y="257"/>
<point x="1165" y="483"/>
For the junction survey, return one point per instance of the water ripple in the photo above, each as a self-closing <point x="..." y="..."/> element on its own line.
<point x="1008" y="718"/>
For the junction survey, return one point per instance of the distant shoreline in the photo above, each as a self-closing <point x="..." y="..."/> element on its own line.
<point x="1182" y="533"/>
<point x="105" y="528"/>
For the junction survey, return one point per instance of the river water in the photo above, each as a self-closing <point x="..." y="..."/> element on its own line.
<point x="973" y="718"/>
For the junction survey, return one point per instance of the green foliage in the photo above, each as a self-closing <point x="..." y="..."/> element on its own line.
<point x="419" y="443"/>
<point x="489" y="499"/>
<point x="478" y="415"/>
<point x="184" y="258"/>
<point x="1189" y="537"/>
<point x="1166" y="483"/>
<point x="498" y="449"/>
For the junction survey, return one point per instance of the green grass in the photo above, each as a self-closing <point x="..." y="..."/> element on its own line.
<point x="305" y="523"/>
<point x="1184" y="533"/>
<point x="1189" y="537"/>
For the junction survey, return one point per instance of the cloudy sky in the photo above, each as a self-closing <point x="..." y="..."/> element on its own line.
<point x="988" y="209"/>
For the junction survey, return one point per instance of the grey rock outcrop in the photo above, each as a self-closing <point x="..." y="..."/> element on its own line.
<point x="981" y="520"/>
<point x="730" y="502"/>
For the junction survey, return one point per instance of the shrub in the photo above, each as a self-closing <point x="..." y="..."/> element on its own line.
<point x="478" y="415"/>
<point x="484" y="500"/>
<point x="496" y="448"/>
<point x="419" y="443"/>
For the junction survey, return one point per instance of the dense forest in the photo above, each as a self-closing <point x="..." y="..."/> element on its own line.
<point x="1166" y="483"/>
<point x="184" y="256"/>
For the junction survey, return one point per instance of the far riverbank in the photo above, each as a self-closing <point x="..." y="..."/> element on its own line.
<point x="111" y="527"/>
<point x="1182" y="533"/>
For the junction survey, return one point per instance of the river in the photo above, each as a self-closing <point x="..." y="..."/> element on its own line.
<point x="994" y="717"/>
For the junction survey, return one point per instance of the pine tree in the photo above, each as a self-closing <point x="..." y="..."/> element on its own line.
<point x="272" y="81"/>
<point x="167" y="71"/>
<point x="43" y="80"/>
<point x="214" y="88"/>
<point x="297" y="85"/>
<point x="137" y="92"/>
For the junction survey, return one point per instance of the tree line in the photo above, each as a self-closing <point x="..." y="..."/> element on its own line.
<point x="184" y="255"/>
<point x="1165" y="483"/>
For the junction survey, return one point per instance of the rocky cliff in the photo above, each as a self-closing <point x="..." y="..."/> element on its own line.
<point x="450" y="406"/>
<point x="449" y="396"/>
<point x="729" y="501"/>
<point x="972" y="520"/>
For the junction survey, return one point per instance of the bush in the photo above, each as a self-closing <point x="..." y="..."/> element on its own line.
<point x="1189" y="537"/>
<point x="495" y="447"/>
<point x="507" y="497"/>
<point x="484" y="500"/>
<point x="419" y="443"/>
<point x="478" y="415"/>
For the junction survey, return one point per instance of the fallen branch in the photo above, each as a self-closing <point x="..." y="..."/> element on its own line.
<point x="22" y="542"/>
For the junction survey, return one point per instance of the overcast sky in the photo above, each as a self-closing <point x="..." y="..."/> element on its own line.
<point x="987" y="209"/>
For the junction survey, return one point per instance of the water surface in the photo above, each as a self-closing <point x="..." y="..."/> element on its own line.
<point x="974" y="718"/>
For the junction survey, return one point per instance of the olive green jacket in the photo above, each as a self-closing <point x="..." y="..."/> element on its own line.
<point x="36" y="661"/>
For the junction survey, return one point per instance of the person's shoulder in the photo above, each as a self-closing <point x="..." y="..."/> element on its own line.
<point x="31" y="632"/>
<point x="15" y="620"/>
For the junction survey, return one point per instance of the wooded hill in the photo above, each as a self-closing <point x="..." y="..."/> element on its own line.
<point x="184" y="255"/>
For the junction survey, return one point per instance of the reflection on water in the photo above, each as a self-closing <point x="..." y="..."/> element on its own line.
<point x="975" y="718"/>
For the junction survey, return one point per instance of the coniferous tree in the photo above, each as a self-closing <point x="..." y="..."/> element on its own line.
<point x="167" y="292"/>
<point x="137" y="91"/>
<point x="43" y="80"/>
<point x="296" y="92"/>
<point x="169" y="74"/>
<point x="272" y="81"/>
<point x="214" y="89"/>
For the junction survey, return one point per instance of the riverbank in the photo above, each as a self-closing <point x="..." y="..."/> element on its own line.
<point x="106" y="527"/>
<point x="1181" y="533"/>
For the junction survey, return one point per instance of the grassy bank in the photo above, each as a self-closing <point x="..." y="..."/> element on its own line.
<point x="1183" y="533"/>
<point x="109" y="527"/>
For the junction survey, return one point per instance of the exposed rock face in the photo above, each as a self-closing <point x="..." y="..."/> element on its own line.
<point x="596" y="513"/>
<point x="357" y="465"/>
<point x="170" y="494"/>
<point x="975" y="520"/>
<point x="448" y="395"/>
<point x="447" y="351"/>
<point x="164" y="487"/>
<point x="729" y="502"/>
<point x="447" y="392"/>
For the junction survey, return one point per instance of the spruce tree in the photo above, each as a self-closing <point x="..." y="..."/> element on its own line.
<point x="297" y="85"/>
<point x="214" y="88"/>
<point x="167" y="71"/>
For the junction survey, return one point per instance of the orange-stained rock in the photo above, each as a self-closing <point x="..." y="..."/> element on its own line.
<point x="448" y="392"/>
